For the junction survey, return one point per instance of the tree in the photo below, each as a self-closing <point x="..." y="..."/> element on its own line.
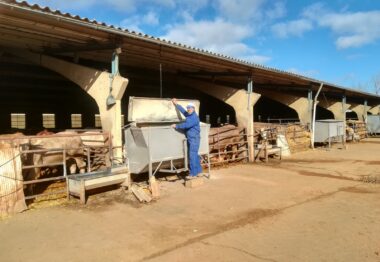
<point x="376" y="83"/>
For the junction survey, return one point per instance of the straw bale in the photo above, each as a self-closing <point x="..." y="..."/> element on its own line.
<point x="12" y="198"/>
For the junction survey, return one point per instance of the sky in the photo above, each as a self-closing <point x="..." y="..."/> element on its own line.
<point x="337" y="41"/>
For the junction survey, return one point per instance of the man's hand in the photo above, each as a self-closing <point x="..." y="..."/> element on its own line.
<point x="174" y="101"/>
<point x="173" y="126"/>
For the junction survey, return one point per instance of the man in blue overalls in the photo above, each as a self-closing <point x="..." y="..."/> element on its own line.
<point x="192" y="131"/>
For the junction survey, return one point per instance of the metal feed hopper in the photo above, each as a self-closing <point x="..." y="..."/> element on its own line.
<point x="151" y="144"/>
<point x="373" y="124"/>
<point x="329" y="130"/>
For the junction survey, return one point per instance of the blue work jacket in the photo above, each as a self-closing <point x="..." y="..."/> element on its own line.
<point x="191" y="124"/>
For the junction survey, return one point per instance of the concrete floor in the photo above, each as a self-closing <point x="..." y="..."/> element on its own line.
<point x="309" y="207"/>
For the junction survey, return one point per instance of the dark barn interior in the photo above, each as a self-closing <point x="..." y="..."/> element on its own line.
<point x="269" y="110"/>
<point x="33" y="90"/>
<point x="323" y="113"/>
<point x="351" y="115"/>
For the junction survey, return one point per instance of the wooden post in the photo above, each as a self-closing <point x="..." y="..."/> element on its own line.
<point x="82" y="193"/>
<point x="88" y="160"/>
<point x="266" y="151"/>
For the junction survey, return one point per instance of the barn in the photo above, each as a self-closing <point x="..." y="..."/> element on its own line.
<point x="59" y="71"/>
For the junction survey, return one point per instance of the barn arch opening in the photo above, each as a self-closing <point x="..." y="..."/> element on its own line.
<point x="351" y="115"/>
<point x="34" y="90"/>
<point x="323" y="113"/>
<point x="269" y="110"/>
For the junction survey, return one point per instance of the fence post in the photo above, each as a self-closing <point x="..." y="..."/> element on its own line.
<point x="88" y="160"/>
<point x="64" y="162"/>
<point x="218" y="145"/>
<point x="110" y="149"/>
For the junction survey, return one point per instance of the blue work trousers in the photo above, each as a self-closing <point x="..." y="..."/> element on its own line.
<point x="194" y="160"/>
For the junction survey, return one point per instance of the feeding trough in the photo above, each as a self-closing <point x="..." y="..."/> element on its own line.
<point x="151" y="144"/>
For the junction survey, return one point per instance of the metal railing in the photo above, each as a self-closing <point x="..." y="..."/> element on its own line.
<point x="90" y="153"/>
<point x="220" y="146"/>
<point x="283" y="120"/>
<point x="62" y="163"/>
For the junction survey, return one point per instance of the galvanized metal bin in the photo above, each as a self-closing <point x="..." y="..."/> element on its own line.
<point x="329" y="131"/>
<point x="151" y="144"/>
<point x="373" y="124"/>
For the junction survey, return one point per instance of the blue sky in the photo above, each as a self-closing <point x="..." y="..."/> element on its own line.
<point x="335" y="41"/>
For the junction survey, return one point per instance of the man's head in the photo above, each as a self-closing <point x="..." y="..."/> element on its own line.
<point x="190" y="108"/>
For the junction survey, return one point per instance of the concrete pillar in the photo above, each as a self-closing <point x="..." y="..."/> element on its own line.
<point x="96" y="83"/>
<point x="243" y="104"/>
<point x="241" y="101"/>
<point x="302" y="105"/>
<point x="375" y="110"/>
<point x="337" y="108"/>
<point x="361" y="111"/>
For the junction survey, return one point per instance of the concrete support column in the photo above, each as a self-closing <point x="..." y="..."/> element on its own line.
<point x="302" y="105"/>
<point x="375" y="110"/>
<point x="337" y="108"/>
<point x="310" y="108"/>
<point x="361" y="111"/>
<point x="241" y="101"/>
<point x="96" y="83"/>
<point x="243" y="106"/>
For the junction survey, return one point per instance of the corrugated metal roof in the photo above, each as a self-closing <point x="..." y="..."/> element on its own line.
<point x="127" y="33"/>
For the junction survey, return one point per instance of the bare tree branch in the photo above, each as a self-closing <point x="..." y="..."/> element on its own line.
<point x="376" y="83"/>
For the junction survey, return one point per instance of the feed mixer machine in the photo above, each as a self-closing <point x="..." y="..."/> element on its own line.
<point x="152" y="145"/>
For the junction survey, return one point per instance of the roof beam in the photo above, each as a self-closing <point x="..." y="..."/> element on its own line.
<point x="91" y="46"/>
<point x="214" y="73"/>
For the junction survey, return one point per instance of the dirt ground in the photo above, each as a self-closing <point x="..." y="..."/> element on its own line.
<point x="312" y="206"/>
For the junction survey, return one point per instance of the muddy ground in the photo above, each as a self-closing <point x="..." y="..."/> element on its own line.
<point x="313" y="206"/>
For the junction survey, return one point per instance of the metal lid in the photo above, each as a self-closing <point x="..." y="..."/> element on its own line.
<point x="156" y="110"/>
<point x="329" y="121"/>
